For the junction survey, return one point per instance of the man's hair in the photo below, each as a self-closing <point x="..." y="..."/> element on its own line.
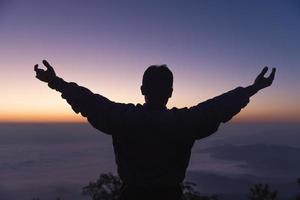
<point x="158" y="77"/>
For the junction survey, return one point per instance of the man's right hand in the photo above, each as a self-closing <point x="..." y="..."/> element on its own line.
<point x="45" y="75"/>
<point x="263" y="82"/>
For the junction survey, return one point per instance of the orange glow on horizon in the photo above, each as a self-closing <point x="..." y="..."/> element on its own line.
<point x="28" y="118"/>
<point x="79" y="119"/>
<point x="246" y="115"/>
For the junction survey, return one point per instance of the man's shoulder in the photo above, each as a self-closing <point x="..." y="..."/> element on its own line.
<point x="128" y="106"/>
<point x="175" y="109"/>
<point x="142" y="108"/>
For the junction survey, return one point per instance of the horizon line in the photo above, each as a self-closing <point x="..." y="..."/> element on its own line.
<point x="86" y="122"/>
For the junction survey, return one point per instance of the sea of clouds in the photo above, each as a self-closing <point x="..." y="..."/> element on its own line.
<point x="57" y="160"/>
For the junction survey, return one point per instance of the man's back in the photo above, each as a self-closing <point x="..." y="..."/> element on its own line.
<point x="151" y="148"/>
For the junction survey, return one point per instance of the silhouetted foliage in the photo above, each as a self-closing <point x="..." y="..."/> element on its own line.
<point x="108" y="187"/>
<point x="190" y="193"/>
<point x="262" y="192"/>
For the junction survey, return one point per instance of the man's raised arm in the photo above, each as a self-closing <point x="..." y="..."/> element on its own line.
<point x="93" y="106"/>
<point x="222" y="108"/>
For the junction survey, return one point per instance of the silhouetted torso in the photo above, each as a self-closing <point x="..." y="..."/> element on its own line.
<point x="150" y="148"/>
<point x="153" y="146"/>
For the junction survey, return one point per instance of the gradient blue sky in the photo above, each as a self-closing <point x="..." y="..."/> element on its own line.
<point x="211" y="47"/>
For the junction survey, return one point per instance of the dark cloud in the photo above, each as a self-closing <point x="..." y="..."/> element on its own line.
<point x="49" y="134"/>
<point x="45" y="191"/>
<point x="260" y="157"/>
<point x="237" y="187"/>
<point x="17" y="165"/>
<point x="254" y="133"/>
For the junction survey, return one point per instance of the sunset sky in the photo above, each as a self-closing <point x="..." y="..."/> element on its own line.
<point x="211" y="47"/>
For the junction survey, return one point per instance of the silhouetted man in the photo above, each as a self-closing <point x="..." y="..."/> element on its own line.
<point x="153" y="144"/>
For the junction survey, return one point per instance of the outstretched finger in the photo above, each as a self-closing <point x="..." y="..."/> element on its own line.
<point x="263" y="72"/>
<point x="272" y="75"/>
<point x="36" y="67"/>
<point x="48" y="66"/>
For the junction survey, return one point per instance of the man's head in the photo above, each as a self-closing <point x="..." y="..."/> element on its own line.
<point x="157" y="85"/>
